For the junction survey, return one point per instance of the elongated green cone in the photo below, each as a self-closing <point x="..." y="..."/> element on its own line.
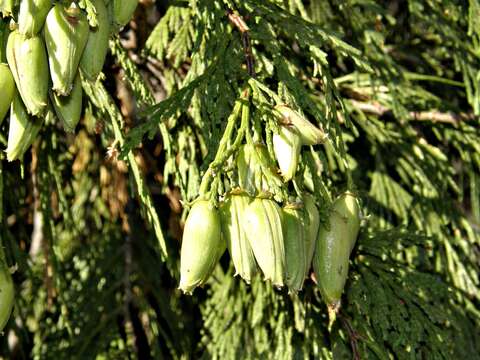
<point x="309" y="133"/>
<point x="294" y="235"/>
<point x="66" y="34"/>
<point x="248" y="169"/>
<point x="123" y="11"/>
<point x="333" y="248"/>
<point x="232" y="214"/>
<point x="251" y="177"/>
<point x="27" y="59"/>
<point x="7" y="291"/>
<point x="202" y="246"/>
<point x="312" y="222"/>
<point x="32" y="15"/>
<point x="287" y="146"/>
<point x="6" y="7"/>
<point x="263" y="220"/>
<point x="245" y="171"/>
<point x="96" y="49"/>
<point x="264" y="157"/>
<point x="347" y="204"/>
<point x="69" y="108"/>
<point x="7" y="84"/>
<point x="22" y="131"/>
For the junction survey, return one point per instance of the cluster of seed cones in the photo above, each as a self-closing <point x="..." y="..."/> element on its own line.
<point x="46" y="48"/>
<point x="280" y="241"/>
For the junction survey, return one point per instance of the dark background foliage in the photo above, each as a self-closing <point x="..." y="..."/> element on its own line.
<point x="92" y="221"/>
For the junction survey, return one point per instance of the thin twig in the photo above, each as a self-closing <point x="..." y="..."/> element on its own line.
<point x="352" y="334"/>
<point x="238" y="22"/>
<point x="432" y="115"/>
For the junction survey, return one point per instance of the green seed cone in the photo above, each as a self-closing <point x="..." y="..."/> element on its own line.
<point x="347" y="204"/>
<point x="27" y="59"/>
<point x="7" y="291"/>
<point x="294" y="235"/>
<point x="32" y="15"/>
<point x="22" y="131"/>
<point x="7" y="84"/>
<point x="263" y="220"/>
<point x="287" y="146"/>
<point x="251" y="177"/>
<point x="245" y="173"/>
<point x="312" y="222"/>
<point x="66" y="34"/>
<point x="309" y="133"/>
<point x="202" y="246"/>
<point x="123" y="11"/>
<point x="232" y="213"/>
<point x="96" y="49"/>
<point x="264" y="157"/>
<point x="69" y="108"/>
<point x="333" y="248"/>
<point x="6" y="7"/>
<point x="248" y="169"/>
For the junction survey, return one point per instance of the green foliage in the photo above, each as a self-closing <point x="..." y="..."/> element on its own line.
<point x="95" y="239"/>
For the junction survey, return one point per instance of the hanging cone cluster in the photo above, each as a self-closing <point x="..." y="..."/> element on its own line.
<point x="278" y="238"/>
<point x="257" y="232"/>
<point x="46" y="50"/>
<point x="281" y="243"/>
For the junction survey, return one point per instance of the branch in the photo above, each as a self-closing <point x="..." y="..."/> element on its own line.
<point x="352" y="334"/>
<point x="238" y="22"/>
<point x="433" y="115"/>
